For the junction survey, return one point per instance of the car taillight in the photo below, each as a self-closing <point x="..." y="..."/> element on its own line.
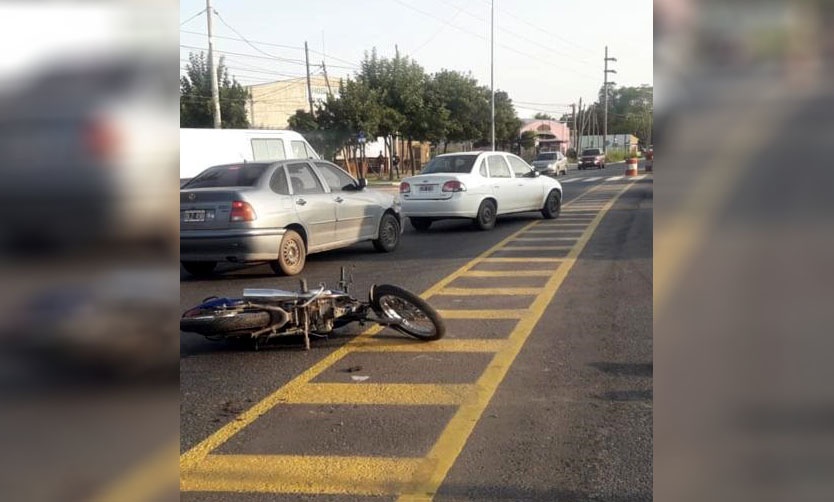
<point x="405" y="187"/>
<point x="242" y="211"/>
<point x="454" y="186"/>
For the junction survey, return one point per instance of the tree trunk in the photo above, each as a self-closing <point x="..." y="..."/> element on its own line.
<point x="411" y="156"/>
<point x="445" y="146"/>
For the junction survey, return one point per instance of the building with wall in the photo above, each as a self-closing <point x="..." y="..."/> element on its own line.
<point x="273" y="103"/>
<point x="551" y="135"/>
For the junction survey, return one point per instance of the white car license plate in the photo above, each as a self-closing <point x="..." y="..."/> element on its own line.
<point x="194" y="216"/>
<point x="426" y="188"/>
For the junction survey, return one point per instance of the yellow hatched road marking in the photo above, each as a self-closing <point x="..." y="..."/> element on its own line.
<point x="446" y="450"/>
<point x="444" y="345"/>
<point x="535" y="248"/>
<point x="509" y="273"/>
<point x="300" y="474"/>
<point x="489" y="291"/>
<point x="521" y="260"/>
<point x="534" y="239"/>
<point x="381" y="393"/>
<point x="201" y="471"/>
<point x="483" y="314"/>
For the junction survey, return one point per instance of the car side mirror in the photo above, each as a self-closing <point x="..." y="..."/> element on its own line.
<point x="533" y="174"/>
<point x="361" y="183"/>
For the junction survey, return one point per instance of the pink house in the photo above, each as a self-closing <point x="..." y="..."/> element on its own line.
<point x="551" y="135"/>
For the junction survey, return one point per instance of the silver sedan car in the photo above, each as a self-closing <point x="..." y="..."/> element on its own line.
<point x="279" y="212"/>
<point x="551" y="163"/>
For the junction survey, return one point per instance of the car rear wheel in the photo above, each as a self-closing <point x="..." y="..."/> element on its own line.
<point x="420" y="224"/>
<point x="486" y="216"/>
<point x="292" y="254"/>
<point x="199" y="268"/>
<point x="389" y="234"/>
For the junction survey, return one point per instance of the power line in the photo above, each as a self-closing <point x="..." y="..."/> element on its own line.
<point x="352" y="66"/>
<point x="546" y="32"/>
<point x="471" y="33"/>
<point x="271" y="58"/>
<point x="534" y="42"/>
<point x="192" y="17"/>
<point x="250" y="43"/>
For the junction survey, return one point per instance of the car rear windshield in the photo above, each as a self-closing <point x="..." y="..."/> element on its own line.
<point x="592" y="151"/>
<point x="234" y="175"/>
<point x="546" y="156"/>
<point x="450" y="164"/>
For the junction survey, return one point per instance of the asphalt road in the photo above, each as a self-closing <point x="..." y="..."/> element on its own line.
<point x="544" y="392"/>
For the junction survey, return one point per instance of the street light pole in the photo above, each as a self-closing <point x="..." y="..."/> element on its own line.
<point x="215" y="93"/>
<point x="492" y="71"/>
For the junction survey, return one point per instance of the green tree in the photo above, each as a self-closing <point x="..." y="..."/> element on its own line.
<point x="465" y="103"/>
<point x="195" y="96"/>
<point x="544" y="116"/>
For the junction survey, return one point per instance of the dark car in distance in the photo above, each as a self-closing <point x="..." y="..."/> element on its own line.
<point x="592" y="157"/>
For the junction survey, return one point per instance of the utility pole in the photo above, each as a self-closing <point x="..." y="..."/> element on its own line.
<point x="326" y="80"/>
<point x="580" y="130"/>
<point x="605" y="91"/>
<point x="215" y="93"/>
<point x="309" y="89"/>
<point x="492" y="71"/>
<point x="573" y="124"/>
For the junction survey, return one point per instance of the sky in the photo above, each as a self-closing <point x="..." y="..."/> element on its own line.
<point x="548" y="53"/>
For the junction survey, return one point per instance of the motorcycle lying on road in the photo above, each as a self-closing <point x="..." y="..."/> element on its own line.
<point x="264" y="314"/>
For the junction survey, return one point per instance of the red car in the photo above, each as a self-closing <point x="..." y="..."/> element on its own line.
<point x="592" y="157"/>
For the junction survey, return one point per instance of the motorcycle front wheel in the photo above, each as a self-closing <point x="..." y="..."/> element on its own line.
<point x="417" y="318"/>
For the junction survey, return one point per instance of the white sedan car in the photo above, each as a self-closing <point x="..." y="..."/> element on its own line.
<point x="479" y="186"/>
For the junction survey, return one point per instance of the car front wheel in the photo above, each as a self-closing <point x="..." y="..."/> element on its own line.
<point x="552" y="205"/>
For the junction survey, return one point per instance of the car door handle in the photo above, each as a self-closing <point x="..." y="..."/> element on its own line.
<point x="496" y="186"/>
<point x="339" y="200"/>
<point x="300" y="202"/>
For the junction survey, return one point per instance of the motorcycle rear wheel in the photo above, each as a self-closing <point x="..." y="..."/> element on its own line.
<point x="418" y="318"/>
<point x="213" y="325"/>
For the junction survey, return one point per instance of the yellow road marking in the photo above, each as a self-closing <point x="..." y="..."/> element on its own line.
<point x="202" y="471"/>
<point x="300" y="474"/>
<point x="532" y="239"/>
<point x="489" y="291"/>
<point x="443" y="345"/>
<point x="536" y="248"/>
<point x="521" y="260"/>
<point x="508" y="273"/>
<point x="380" y="393"/>
<point x="483" y="314"/>
<point x="446" y="450"/>
<point x="196" y="454"/>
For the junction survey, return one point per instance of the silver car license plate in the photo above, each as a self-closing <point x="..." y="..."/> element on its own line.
<point x="194" y="216"/>
<point x="426" y="188"/>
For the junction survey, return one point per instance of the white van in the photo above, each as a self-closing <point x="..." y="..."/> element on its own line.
<point x="203" y="148"/>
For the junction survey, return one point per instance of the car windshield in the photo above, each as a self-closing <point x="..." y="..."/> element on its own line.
<point x="592" y="151"/>
<point x="233" y="175"/>
<point x="450" y="164"/>
<point x="547" y="156"/>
